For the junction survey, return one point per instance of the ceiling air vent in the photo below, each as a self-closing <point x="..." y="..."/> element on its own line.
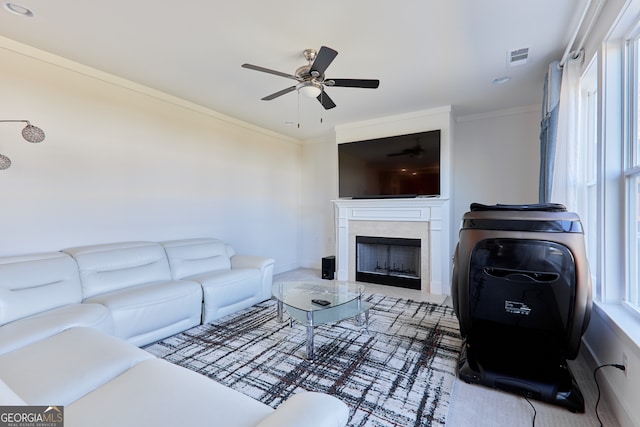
<point x="518" y="56"/>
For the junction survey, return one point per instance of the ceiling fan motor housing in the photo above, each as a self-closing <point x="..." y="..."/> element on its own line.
<point x="304" y="72"/>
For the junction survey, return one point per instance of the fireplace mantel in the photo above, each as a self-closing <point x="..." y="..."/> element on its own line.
<point x="428" y="213"/>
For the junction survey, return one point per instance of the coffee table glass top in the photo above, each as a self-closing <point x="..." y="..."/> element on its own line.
<point x="300" y="294"/>
<point x="317" y="303"/>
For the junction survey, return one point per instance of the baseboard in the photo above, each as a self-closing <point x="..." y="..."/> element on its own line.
<point x="604" y="343"/>
<point x="282" y="268"/>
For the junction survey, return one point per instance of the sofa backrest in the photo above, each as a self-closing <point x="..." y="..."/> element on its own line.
<point x="189" y="257"/>
<point x="113" y="266"/>
<point x="31" y="284"/>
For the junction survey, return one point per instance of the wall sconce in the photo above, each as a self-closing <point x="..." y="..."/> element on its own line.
<point x="30" y="133"/>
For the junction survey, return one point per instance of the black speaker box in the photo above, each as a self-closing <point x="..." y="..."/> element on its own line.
<point x="328" y="267"/>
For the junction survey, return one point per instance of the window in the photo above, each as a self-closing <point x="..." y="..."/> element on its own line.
<point x="632" y="174"/>
<point x="633" y="282"/>
<point x="589" y="131"/>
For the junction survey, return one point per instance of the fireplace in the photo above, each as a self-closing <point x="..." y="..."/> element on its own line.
<point x="423" y="219"/>
<point x="388" y="261"/>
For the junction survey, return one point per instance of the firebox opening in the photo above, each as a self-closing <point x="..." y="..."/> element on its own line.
<point x="388" y="261"/>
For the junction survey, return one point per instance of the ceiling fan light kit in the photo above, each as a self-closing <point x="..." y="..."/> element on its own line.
<point x="311" y="79"/>
<point x="310" y="89"/>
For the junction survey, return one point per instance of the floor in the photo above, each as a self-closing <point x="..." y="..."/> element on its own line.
<point x="478" y="406"/>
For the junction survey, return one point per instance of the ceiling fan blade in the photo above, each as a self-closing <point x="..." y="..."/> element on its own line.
<point x="324" y="58"/>
<point x="279" y="93"/>
<point x="326" y="101"/>
<point x="266" y="70"/>
<point x="362" y="83"/>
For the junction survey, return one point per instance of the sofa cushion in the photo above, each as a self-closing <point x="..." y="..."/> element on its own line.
<point x="35" y="283"/>
<point x="146" y="313"/>
<point x="39" y="326"/>
<point x="64" y="367"/>
<point x="109" y="267"/>
<point x="188" y="257"/>
<point x="158" y="393"/>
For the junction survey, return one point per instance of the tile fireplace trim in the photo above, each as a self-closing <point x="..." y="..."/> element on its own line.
<point x="431" y="213"/>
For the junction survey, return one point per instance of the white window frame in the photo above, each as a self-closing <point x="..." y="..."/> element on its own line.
<point x="589" y="122"/>
<point x="631" y="171"/>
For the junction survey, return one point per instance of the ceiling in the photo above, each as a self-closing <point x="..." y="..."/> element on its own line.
<point x="426" y="53"/>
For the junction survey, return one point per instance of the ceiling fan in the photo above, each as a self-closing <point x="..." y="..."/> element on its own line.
<point x="311" y="79"/>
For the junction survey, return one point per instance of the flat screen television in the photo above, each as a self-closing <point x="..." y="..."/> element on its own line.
<point x="396" y="166"/>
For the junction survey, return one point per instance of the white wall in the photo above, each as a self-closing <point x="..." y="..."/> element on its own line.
<point x="121" y="162"/>
<point x="320" y="183"/>
<point x="496" y="159"/>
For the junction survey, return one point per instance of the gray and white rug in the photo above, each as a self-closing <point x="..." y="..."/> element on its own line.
<point x="398" y="374"/>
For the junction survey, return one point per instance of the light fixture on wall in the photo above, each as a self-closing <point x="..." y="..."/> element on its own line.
<point x="30" y="133"/>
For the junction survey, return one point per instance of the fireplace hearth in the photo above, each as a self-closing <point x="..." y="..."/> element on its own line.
<point x="388" y="261"/>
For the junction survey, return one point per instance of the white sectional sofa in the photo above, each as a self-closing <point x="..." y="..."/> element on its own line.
<point x="71" y="323"/>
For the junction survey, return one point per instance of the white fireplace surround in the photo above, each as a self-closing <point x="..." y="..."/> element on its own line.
<point x="423" y="218"/>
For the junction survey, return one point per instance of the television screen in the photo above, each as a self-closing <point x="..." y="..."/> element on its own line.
<point x="397" y="166"/>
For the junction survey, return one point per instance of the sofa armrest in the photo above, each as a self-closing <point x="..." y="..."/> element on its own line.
<point x="265" y="265"/>
<point x="8" y="397"/>
<point x="308" y="409"/>
<point x="251" y="261"/>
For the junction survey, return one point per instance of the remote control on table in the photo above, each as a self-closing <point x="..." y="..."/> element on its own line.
<point x="322" y="302"/>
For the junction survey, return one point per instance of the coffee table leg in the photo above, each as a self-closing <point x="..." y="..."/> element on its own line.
<point x="310" y="354"/>
<point x="280" y="309"/>
<point x="363" y="324"/>
<point x="366" y="321"/>
<point x="358" y="319"/>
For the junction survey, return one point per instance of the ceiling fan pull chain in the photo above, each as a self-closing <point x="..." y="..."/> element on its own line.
<point x="298" y="109"/>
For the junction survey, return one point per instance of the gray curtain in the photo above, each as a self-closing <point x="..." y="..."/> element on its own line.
<point x="548" y="129"/>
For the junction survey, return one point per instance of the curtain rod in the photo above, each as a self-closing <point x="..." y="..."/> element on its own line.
<point x="594" y="18"/>
<point x="569" y="47"/>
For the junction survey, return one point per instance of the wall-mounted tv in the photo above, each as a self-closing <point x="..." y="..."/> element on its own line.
<point x="396" y="166"/>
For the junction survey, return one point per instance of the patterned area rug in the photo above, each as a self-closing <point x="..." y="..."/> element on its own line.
<point x="400" y="373"/>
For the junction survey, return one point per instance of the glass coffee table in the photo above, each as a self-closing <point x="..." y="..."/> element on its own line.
<point x="316" y="303"/>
